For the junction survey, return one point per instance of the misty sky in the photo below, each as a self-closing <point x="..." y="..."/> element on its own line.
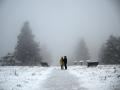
<point x="60" y="24"/>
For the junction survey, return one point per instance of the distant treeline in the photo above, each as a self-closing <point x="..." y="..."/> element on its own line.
<point x="29" y="53"/>
<point x="109" y="52"/>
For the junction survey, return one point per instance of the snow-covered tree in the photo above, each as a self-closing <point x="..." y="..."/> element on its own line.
<point x="27" y="50"/>
<point x="110" y="53"/>
<point x="82" y="51"/>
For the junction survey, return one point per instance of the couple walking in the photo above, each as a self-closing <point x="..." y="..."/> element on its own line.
<point x="63" y="62"/>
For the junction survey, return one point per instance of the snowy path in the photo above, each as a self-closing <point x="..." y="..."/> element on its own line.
<point x="103" y="77"/>
<point x="61" y="80"/>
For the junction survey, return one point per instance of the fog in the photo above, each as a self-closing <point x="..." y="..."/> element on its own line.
<point x="60" y="24"/>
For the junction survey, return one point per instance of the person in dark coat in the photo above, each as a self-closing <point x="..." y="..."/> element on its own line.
<point x="65" y="61"/>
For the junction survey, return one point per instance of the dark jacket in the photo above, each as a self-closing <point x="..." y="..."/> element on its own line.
<point x="65" y="60"/>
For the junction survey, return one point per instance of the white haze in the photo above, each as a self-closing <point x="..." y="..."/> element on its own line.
<point x="60" y="24"/>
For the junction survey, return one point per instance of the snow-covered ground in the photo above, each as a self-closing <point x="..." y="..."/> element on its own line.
<point x="103" y="77"/>
<point x="52" y="78"/>
<point x="22" y="78"/>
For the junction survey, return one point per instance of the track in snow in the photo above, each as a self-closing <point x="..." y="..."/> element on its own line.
<point x="61" y="80"/>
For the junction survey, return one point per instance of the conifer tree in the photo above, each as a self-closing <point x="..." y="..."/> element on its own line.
<point x="27" y="50"/>
<point x="82" y="51"/>
<point x="110" y="54"/>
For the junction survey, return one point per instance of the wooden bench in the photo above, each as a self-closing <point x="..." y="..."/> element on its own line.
<point x="92" y="64"/>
